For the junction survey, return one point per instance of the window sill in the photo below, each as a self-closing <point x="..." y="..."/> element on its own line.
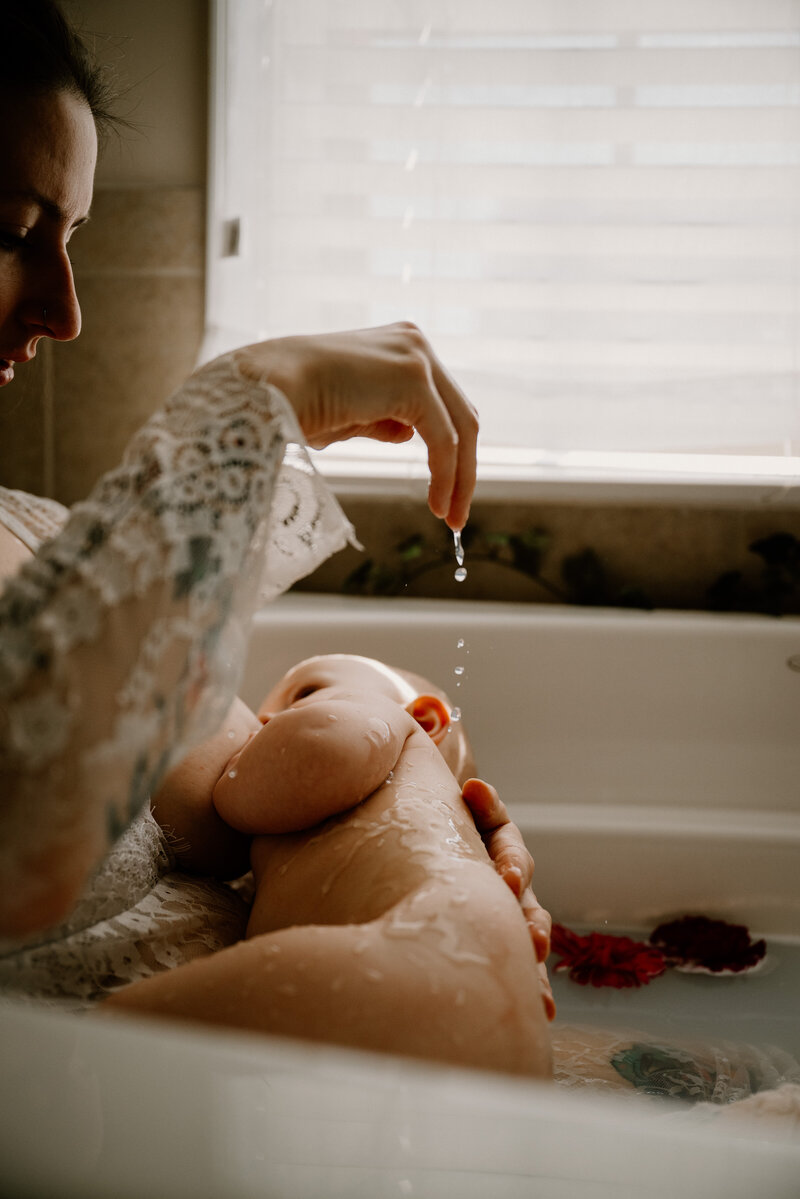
<point x="356" y="468"/>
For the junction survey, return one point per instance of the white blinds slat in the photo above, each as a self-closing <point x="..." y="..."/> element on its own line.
<point x="550" y="18"/>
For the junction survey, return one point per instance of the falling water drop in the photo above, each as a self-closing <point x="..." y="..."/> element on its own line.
<point x="231" y="774"/>
<point x="461" y="572"/>
<point x="458" y="670"/>
<point x="460" y="643"/>
<point x="455" y="715"/>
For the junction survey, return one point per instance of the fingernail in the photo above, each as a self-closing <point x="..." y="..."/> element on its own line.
<point x="515" y="874"/>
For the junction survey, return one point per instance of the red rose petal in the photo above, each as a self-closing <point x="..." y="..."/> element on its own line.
<point x="603" y="960"/>
<point x="713" y="945"/>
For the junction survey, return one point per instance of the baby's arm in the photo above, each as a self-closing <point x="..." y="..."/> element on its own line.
<point x="310" y="762"/>
<point x="201" y="841"/>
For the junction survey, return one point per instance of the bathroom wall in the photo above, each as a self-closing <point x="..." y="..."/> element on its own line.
<point x="139" y="263"/>
<point x="139" y="267"/>
<point x="635" y="555"/>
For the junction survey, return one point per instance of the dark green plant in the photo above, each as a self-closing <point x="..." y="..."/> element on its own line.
<point x="581" y="578"/>
<point x="777" y="588"/>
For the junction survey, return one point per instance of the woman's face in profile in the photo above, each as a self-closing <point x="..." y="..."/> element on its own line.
<point x="48" y="150"/>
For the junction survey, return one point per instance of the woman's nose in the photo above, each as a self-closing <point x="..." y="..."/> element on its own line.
<point x="61" y="312"/>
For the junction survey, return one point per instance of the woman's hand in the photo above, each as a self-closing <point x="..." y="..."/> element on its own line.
<point x="380" y="383"/>
<point x="514" y="864"/>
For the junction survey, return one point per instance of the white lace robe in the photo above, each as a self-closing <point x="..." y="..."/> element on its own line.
<point x="122" y="643"/>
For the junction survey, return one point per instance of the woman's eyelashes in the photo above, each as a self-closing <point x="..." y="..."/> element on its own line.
<point x="309" y="689"/>
<point x="10" y="243"/>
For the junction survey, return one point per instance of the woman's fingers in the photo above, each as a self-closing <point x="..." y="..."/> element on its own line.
<point x="448" y="424"/>
<point x="547" y="992"/>
<point x="502" y="838"/>
<point x="510" y="857"/>
<point x="465" y="422"/>
<point x="438" y="413"/>
<point x="539" y="923"/>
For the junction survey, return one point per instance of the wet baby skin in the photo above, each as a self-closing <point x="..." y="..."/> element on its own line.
<point x="378" y="921"/>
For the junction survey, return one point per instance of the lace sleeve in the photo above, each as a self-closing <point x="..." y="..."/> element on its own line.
<point x="122" y="641"/>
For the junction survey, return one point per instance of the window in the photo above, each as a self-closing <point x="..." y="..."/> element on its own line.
<point x="592" y="207"/>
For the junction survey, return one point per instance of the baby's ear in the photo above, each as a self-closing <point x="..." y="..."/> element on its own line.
<point x="431" y="714"/>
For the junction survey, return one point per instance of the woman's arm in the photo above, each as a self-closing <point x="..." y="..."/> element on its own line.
<point x="199" y="839"/>
<point x="122" y="642"/>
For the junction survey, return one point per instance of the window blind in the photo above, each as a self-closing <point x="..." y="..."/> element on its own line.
<point x="592" y="207"/>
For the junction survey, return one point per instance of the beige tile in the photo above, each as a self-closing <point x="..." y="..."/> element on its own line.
<point x="154" y="229"/>
<point x="140" y="341"/>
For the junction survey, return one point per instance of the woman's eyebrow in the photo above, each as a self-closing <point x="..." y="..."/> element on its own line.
<point x="53" y="210"/>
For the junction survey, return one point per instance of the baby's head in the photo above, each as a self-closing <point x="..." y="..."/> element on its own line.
<point x="428" y="704"/>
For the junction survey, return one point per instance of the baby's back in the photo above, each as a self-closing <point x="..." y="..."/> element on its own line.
<point x="404" y="883"/>
<point x="357" y="866"/>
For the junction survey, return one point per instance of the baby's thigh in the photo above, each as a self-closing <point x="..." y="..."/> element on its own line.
<point x="444" y="976"/>
<point x="464" y="977"/>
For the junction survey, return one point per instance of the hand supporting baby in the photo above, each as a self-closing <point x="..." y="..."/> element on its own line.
<point x="512" y="861"/>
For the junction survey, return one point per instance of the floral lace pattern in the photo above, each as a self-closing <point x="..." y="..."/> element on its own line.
<point x="123" y="640"/>
<point x="32" y="518"/>
<point x="135" y="919"/>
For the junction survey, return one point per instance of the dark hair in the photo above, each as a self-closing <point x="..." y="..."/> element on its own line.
<point x="43" y="53"/>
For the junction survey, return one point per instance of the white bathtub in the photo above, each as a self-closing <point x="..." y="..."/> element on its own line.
<point x="653" y="762"/>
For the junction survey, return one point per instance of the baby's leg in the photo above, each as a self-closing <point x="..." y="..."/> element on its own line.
<point x="423" y="990"/>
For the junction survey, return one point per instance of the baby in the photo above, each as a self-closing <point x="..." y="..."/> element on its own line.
<point x="378" y="921"/>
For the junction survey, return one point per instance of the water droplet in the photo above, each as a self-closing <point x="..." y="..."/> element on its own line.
<point x="332" y="718"/>
<point x="460" y="643"/>
<point x="231" y="734"/>
<point x="458" y="670"/>
<point x="459" y="548"/>
<point x="460" y="574"/>
<point x="231" y="774"/>
<point x="455" y="716"/>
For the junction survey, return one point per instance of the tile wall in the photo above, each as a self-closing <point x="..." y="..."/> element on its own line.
<point x="140" y="279"/>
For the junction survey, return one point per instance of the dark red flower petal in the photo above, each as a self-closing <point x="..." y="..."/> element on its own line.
<point x="603" y="960"/>
<point x="713" y="945"/>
